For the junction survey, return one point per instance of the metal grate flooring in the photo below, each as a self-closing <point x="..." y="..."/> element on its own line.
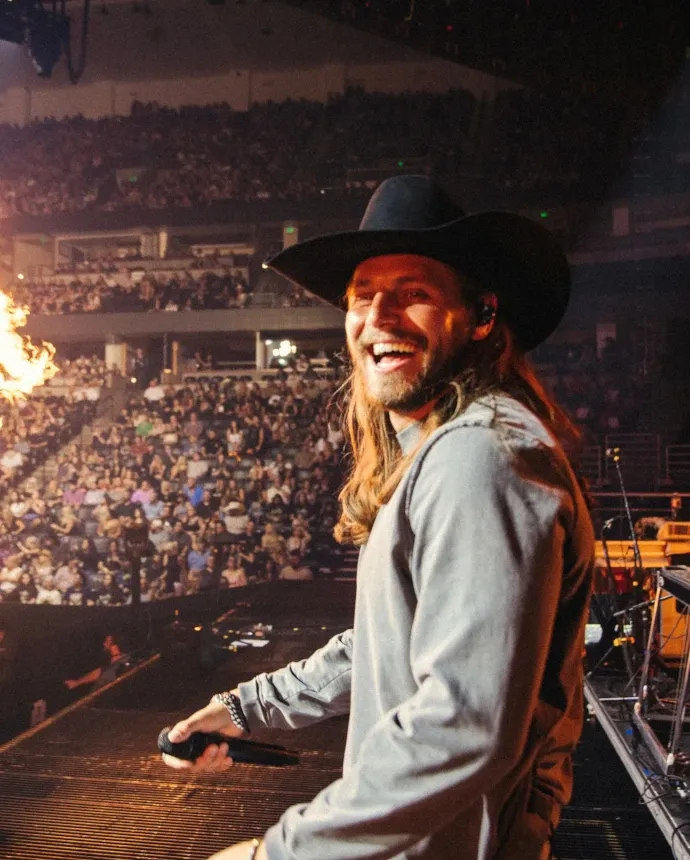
<point x="91" y="786"/>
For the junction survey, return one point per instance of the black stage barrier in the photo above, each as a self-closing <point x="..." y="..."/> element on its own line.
<point x="46" y="645"/>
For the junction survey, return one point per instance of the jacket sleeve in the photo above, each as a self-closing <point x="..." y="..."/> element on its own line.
<point x="302" y="693"/>
<point x="487" y="533"/>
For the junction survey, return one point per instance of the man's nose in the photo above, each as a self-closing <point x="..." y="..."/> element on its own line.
<point x="384" y="308"/>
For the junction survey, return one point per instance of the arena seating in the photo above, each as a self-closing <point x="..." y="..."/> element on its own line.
<point x="235" y="481"/>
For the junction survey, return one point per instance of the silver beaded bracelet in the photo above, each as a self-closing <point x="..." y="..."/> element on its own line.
<point x="234" y="706"/>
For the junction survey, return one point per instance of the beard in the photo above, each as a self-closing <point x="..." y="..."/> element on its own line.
<point x="400" y="393"/>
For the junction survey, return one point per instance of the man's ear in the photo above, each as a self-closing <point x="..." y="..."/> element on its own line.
<point x="485" y="311"/>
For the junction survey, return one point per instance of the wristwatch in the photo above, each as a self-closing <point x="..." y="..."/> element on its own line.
<point x="234" y="706"/>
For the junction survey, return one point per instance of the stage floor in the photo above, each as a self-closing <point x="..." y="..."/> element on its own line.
<point x="90" y="784"/>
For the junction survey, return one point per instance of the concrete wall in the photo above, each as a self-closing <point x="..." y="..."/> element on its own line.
<point x="101" y="327"/>
<point x="315" y="84"/>
<point x="232" y="87"/>
<point x="30" y="257"/>
<point x="91" y="100"/>
<point x="240" y="88"/>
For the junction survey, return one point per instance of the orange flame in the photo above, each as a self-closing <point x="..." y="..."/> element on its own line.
<point x="23" y="366"/>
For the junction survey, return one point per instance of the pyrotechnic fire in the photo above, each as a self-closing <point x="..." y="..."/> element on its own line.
<point x="23" y="365"/>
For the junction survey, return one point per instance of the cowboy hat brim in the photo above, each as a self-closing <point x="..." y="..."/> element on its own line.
<point x="508" y="254"/>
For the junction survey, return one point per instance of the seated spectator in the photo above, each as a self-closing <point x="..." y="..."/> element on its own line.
<point x="272" y="542"/>
<point x="298" y="541"/>
<point x="197" y="467"/>
<point x="26" y="588"/>
<point x="155" y="392"/>
<point x="233" y="440"/>
<point x="295" y="569"/>
<point x="159" y="535"/>
<point x="143" y="495"/>
<point x="236" y="519"/>
<point x="234" y="575"/>
<point x="197" y="556"/>
<point x="193" y="492"/>
<point x="48" y="593"/>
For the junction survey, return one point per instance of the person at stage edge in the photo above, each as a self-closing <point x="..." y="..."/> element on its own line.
<point x="462" y="674"/>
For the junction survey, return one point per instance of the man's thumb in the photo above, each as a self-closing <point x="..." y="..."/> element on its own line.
<point x="179" y="732"/>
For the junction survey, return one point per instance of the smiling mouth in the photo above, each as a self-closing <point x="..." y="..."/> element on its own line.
<point x="391" y="356"/>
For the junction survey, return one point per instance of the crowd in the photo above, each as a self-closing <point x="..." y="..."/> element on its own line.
<point x="35" y="428"/>
<point x="559" y="141"/>
<point x="594" y="75"/>
<point x="591" y="88"/>
<point x="234" y="482"/>
<point x="122" y="291"/>
<point x="601" y="391"/>
<point x="160" y="158"/>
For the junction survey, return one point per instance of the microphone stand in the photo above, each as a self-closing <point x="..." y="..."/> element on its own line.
<point x="641" y="620"/>
<point x="614" y="623"/>
<point x="615" y="455"/>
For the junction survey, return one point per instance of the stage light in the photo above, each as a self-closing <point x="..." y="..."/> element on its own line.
<point x="12" y="30"/>
<point x="44" y="32"/>
<point x="47" y="36"/>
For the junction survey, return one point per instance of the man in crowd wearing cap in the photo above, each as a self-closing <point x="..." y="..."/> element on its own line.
<point x="462" y="673"/>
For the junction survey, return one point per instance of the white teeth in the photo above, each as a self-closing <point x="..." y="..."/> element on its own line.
<point x="385" y="348"/>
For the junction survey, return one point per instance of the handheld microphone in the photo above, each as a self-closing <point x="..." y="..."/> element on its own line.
<point x="241" y="751"/>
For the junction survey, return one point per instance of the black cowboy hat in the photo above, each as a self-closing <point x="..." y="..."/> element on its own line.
<point x="505" y="253"/>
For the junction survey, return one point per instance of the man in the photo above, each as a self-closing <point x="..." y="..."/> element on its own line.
<point x="235" y="519"/>
<point x="155" y="392"/>
<point x="204" y="509"/>
<point x="193" y="491"/>
<point x="140" y="367"/>
<point x="154" y="508"/>
<point x="197" y="467"/>
<point x="295" y="570"/>
<point x="112" y="663"/>
<point x="194" y="427"/>
<point x="159" y="535"/>
<point x="462" y="675"/>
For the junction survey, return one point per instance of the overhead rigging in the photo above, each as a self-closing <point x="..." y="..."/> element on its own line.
<point x="45" y="30"/>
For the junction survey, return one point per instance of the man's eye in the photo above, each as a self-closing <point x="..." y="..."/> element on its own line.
<point x="416" y="294"/>
<point x="361" y="298"/>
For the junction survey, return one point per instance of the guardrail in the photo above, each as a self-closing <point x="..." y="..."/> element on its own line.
<point x="640" y="456"/>
<point x="678" y="464"/>
<point x="645" y="464"/>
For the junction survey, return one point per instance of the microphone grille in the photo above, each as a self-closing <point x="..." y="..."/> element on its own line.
<point x="164" y="742"/>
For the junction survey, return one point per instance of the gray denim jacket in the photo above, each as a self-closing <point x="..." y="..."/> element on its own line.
<point x="462" y="674"/>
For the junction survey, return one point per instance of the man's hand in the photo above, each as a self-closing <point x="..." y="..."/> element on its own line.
<point x="213" y="718"/>
<point x="241" y="851"/>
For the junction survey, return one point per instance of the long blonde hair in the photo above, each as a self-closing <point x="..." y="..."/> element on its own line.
<point x="378" y="464"/>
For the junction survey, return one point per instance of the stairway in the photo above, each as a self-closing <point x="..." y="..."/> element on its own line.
<point x="347" y="571"/>
<point x="105" y="414"/>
